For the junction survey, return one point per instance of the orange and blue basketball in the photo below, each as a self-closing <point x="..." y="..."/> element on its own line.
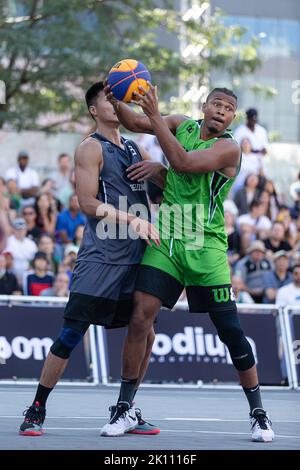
<point x="125" y="77"/>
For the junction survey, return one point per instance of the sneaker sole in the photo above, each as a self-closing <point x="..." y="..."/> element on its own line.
<point x="31" y="433"/>
<point x="146" y="433"/>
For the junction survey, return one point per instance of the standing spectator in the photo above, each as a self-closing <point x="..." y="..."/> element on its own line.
<point x="69" y="219"/>
<point x="251" y="269"/>
<point x="45" y="207"/>
<point x="244" y="196"/>
<point x="40" y="279"/>
<point x="250" y="165"/>
<point x="278" y="278"/>
<point x="26" y="178"/>
<point x="290" y="294"/>
<point x="253" y="225"/>
<point x="60" y="287"/>
<point x="21" y="247"/>
<point x="62" y="177"/>
<point x="8" y="281"/>
<point x="254" y="132"/>
<point x="276" y="241"/>
<point x="30" y="216"/>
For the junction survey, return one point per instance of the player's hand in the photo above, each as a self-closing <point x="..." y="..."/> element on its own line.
<point x="145" y="230"/>
<point x="144" y="170"/>
<point x="109" y="94"/>
<point x="148" y="101"/>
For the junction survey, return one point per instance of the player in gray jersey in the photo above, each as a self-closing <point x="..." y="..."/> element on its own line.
<point x="112" y="247"/>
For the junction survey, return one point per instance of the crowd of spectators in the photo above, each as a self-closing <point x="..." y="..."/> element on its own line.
<point x="44" y="226"/>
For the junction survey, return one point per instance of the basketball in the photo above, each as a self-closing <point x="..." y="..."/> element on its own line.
<point x="125" y="77"/>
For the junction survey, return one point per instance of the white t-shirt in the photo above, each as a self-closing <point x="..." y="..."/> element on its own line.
<point x="288" y="295"/>
<point x="258" y="138"/>
<point x="25" y="179"/>
<point x="23" y="251"/>
<point x="263" y="222"/>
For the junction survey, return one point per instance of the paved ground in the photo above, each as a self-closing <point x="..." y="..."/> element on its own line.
<point x="189" y="419"/>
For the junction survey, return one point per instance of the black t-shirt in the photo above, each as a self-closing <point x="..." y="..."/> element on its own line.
<point x="8" y="284"/>
<point x="34" y="234"/>
<point x="283" y="245"/>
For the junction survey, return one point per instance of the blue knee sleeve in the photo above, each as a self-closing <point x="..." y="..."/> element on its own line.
<point x="64" y="345"/>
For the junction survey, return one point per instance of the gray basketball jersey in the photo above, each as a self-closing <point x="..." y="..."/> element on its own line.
<point x="113" y="243"/>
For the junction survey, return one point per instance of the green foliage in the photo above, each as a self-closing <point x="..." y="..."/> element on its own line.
<point x="52" y="50"/>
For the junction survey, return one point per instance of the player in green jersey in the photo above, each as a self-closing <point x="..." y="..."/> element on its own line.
<point x="204" y="160"/>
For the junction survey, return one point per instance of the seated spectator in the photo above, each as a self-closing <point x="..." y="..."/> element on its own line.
<point x="13" y="194"/>
<point x="290" y="294"/>
<point x="46" y="209"/>
<point x="276" y="241"/>
<point x="68" y="220"/>
<point x="295" y="189"/>
<point x="251" y="269"/>
<point x="66" y="192"/>
<point x="21" y="247"/>
<point x="277" y="278"/>
<point x="9" y="261"/>
<point x="8" y="281"/>
<point x="27" y="179"/>
<point x="284" y="216"/>
<point x="274" y="203"/>
<point x="47" y="245"/>
<point x="253" y="225"/>
<point x="40" y="279"/>
<point x="233" y="237"/>
<point x="78" y="235"/>
<point x="240" y="291"/>
<point x="60" y="287"/>
<point x="5" y="228"/>
<point x="244" y="196"/>
<point x="250" y="165"/>
<point x="30" y="215"/>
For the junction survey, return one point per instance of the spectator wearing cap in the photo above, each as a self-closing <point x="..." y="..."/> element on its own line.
<point x="290" y="294"/>
<point x="21" y="247"/>
<point x="253" y="225"/>
<point x="30" y="216"/>
<point x="34" y="282"/>
<point x="251" y="269"/>
<point x="276" y="241"/>
<point x="8" y="281"/>
<point x="68" y="220"/>
<point x="279" y="277"/>
<point x="254" y="132"/>
<point x="27" y="179"/>
<point x="60" y="287"/>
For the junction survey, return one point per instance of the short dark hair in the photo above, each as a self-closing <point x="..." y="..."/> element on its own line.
<point x="93" y="92"/>
<point x="297" y="265"/>
<point x="251" y="112"/>
<point x="62" y="155"/>
<point x="255" y="203"/>
<point x="226" y="91"/>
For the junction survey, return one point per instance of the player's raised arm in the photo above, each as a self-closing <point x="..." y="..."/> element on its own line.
<point x="136" y="122"/>
<point x="222" y="154"/>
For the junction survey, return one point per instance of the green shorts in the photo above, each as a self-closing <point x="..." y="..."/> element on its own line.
<point x="166" y="270"/>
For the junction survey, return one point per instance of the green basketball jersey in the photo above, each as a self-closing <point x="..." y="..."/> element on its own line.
<point x="197" y="197"/>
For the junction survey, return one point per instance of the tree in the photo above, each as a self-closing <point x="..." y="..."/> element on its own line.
<point x="51" y="51"/>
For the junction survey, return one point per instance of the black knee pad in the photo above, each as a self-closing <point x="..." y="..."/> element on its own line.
<point x="69" y="338"/>
<point x="231" y="333"/>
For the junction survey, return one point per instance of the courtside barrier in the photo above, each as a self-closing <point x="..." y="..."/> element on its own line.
<point x="28" y="327"/>
<point x="291" y="315"/>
